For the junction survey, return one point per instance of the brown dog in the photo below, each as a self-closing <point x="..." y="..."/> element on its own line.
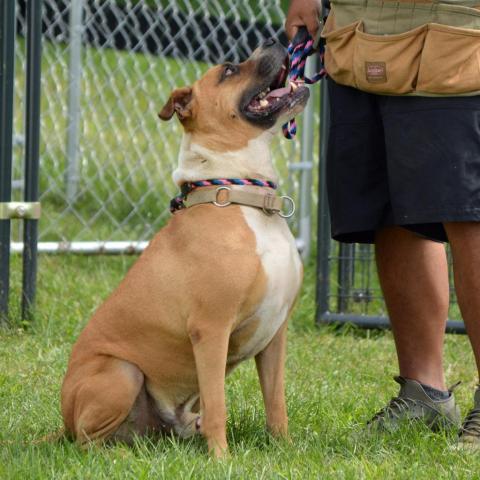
<point x="213" y="288"/>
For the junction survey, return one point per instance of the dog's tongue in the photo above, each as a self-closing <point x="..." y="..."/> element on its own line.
<point x="280" y="92"/>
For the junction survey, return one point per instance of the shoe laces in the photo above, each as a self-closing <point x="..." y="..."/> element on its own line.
<point x="394" y="409"/>
<point x="471" y="424"/>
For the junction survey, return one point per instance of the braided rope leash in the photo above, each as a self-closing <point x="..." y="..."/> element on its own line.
<point x="177" y="203"/>
<point x="300" y="48"/>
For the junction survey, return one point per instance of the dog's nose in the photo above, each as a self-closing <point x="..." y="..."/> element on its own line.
<point x="269" y="42"/>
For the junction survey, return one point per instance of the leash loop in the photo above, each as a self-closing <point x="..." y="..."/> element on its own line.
<point x="299" y="49"/>
<point x="227" y="202"/>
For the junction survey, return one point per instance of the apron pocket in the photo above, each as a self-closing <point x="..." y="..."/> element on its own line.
<point x="388" y="64"/>
<point x="450" y="62"/>
<point x="339" y="52"/>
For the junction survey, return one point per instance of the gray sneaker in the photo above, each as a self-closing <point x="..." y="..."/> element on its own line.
<point x="413" y="404"/>
<point x="469" y="435"/>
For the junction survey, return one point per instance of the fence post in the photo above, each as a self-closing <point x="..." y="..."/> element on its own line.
<point x="305" y="221"/>
<point x="32" y="152"/>
<point x="74" y="87"/>
<point x="323" y="237"/>
<point x="345" y="274"/>
<point x="7" y="65"/>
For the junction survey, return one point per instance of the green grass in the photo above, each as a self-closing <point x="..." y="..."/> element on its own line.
<point x="336" y="379"/>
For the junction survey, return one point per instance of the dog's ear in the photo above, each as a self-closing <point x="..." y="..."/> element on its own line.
<point x="179" y="103"/>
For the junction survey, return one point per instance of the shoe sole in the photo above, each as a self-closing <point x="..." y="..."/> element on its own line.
<point x="466" y="445"/>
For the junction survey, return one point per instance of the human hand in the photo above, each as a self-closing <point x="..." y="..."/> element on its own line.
<point x="303" y="13"/>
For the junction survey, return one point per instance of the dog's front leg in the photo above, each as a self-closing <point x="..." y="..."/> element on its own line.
<point x="270" y="366"/>
<point x="210" y="347"/>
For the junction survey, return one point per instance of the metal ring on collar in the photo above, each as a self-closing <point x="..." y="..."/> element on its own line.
<point x="292" y="207"/>
<point x="227" y="203"/>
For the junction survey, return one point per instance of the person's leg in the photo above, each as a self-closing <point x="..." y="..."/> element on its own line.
<point x="413" y="270"/>
<point x="464" y="239"/>
<point x="413" y="275"/>
<point x="414" y="279"/>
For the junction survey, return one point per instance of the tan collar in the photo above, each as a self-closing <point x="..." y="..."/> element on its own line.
<point x="223" y="196"/>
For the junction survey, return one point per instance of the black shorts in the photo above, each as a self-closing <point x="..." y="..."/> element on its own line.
<point x="408" y="161"/>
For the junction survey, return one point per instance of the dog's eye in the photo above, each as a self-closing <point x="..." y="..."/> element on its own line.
<point x="229" y="70"/>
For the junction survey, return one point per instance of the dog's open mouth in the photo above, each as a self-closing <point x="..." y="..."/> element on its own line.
<point x="277" y="96"/>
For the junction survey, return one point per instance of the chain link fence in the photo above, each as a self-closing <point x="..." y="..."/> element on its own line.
<point x="108" y="66"/>
<point x="350" y="291"/>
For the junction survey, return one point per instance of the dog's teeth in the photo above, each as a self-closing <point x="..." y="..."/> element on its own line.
<point x="293" y="85"/>
<point x="263" y="103"/>
<point x="263" y="94"/>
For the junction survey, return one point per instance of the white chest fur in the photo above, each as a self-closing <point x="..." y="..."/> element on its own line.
<point x="282" y="265"/>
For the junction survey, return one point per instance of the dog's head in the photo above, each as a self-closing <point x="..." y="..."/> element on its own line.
<point x="232" y="104"/>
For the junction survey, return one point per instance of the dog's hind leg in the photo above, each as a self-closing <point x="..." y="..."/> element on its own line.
<point x="107" y="403"/>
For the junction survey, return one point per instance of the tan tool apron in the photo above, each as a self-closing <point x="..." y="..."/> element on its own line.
<point x="405" y="48"/>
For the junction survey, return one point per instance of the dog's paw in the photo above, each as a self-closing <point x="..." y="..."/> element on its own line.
<point x="217" y="451"/>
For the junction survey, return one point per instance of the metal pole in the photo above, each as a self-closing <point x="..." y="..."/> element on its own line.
<point x="32" y="152"/>
<point x="96" y="247"/>
<point x="86" y="248"/>
<point x="346" y="258"/>
<point x="305" y="221"/>
<point x="74" y="87"/>
<point x="378" y="322"/>
<point x="7" y="65"/>
<point x="323" y="237"/>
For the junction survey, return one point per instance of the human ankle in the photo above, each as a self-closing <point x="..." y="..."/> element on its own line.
<point x="434" y="393"/>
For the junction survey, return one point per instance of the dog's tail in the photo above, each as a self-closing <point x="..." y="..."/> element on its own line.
<point x="51" y="437"/>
